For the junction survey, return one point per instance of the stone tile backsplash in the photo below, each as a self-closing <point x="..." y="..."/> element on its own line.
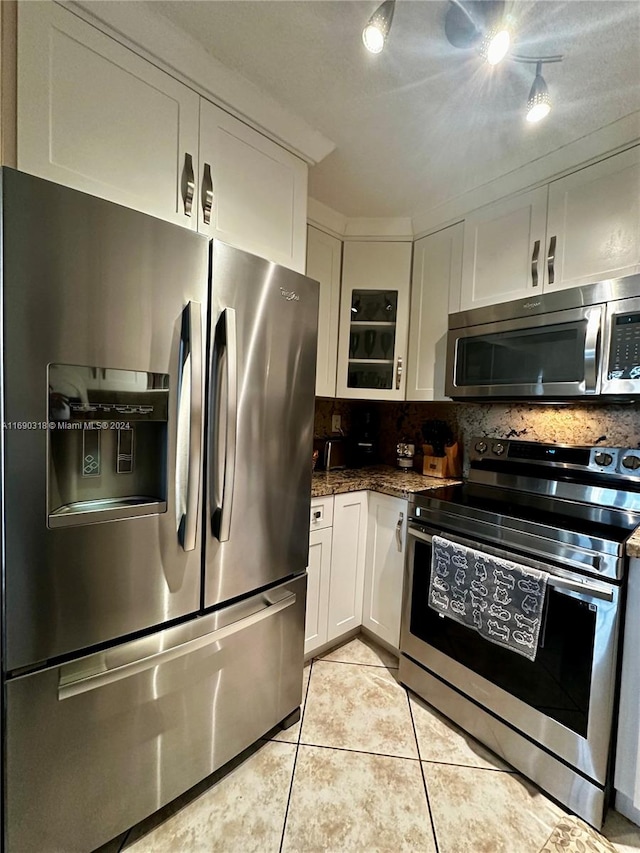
<point x="608" y="425"/>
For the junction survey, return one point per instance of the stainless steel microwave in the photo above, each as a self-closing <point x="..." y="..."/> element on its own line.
<point x="581" y="342"/>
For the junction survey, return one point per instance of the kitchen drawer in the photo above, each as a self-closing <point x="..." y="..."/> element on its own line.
<point x="321" y="513"/>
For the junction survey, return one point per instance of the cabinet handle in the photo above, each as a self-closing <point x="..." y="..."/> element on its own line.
<point x="188" y="184"/>
<point x="534" y="263"/>
<point x="207" y="194"/>
<point x="398" y="373"/>
<point x="551" y="259"/>
<point x="399" y="531"/>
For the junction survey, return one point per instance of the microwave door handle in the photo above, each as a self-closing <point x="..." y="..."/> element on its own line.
<point x="226" y="335"/>
<point x="592" y="338"/>
<point x="191" y="353"/>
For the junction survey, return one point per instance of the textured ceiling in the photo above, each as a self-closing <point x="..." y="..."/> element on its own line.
<point x="422" y="122"/>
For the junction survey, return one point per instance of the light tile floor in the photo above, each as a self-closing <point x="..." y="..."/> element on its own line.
<point x="369" y="768"/>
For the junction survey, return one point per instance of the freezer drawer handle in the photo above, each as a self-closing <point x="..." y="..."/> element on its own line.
<point x="226" y="337"/>
<point x="73" y="687"/>
<point x="191" y="353"/>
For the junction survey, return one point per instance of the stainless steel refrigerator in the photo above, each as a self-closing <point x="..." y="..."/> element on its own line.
<point x="157" y="400"/>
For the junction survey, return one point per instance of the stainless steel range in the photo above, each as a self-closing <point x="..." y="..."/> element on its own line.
<point x="565" y="511"/>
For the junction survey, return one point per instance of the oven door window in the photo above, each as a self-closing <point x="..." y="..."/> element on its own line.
<point x="557" y="682"/>
<point x="523" y="357"/>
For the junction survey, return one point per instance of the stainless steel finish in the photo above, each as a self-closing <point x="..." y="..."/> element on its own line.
<point x="551" y="259"/>
<point x="398" y="373"/>
<point x="534" y="263"/>
<point x="611" y="290"/>
<point x="132" y="659"/>
<point x="591" y="340"/>
<point x="276" y="312"/>
<point x="399" y="531"/>
<point x="580" y="795"/>
<point x="537" y="320"/>
<point x="112" y="296"/>
<point x="558" y="579"/>
<point x="589" y="755"/>
<point x="192" y="351"/>
<point x="189" y="184"/>
<point x="153" y="734"/>
<point x="207" y="194"/>
<point x="619" y="305"/>
<point x="91" y="512"/>
<point x="225" y="453"/>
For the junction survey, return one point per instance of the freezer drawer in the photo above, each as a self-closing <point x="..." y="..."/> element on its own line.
<point x="95" y="745"/>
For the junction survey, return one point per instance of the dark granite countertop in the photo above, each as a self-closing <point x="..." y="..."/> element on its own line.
<point x="377" y="478"/>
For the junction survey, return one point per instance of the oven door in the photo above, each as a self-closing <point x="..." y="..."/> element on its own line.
<point x="563" y="700"/>
<point x="547" y="355"/>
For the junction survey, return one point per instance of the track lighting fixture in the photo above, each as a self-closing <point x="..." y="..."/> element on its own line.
<point x="482" y="26"/>
<point x="375" y="33"/>
<point x="539" y="103"/>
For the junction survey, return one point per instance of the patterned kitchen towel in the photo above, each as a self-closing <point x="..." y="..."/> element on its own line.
<point x="501" y="600"/>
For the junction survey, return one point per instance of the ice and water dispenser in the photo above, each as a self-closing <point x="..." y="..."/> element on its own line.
<point x="108" y="432"/>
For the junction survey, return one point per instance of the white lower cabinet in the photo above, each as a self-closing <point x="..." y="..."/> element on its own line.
<point x="347" y="563"/>
<point x="319" y="570"/>
<point x="386" y="537"/>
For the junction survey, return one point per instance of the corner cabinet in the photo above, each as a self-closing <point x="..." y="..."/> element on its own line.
<point x="95" y="116"/>
<point x="374" y="320"/>
<point x="324" y="263"/>
<point x="386" y="537"/>
<point x="435" y="293"/>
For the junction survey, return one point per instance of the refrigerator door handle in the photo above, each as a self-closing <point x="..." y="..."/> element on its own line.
<point x="191" y="354"/>
<point x="226" y="337"/>
<point x="70" y="685"/>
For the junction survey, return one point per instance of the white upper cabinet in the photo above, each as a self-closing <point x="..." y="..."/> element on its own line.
<point x="252" y="193"/>
<point x="593" y="229"/>
<point x="374" y="320"/>
<point x="435" y="293"/>
<point x="503" y="255"/>
<point x="96" y="117"/>
<point x="324" y="261"/>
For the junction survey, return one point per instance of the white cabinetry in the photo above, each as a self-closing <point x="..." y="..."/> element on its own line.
<point x="347" y="563"/>
<point x="253" y="193"/>
<point x="503" y="255"/>
<point x="324" y="261"/>
<point x="319" y="572"/>
<point x="593" y="227"/>
<point x="386" y="536"/>
<point x="96" y="117"/>
<point x="435" y="293"/>
<point x="374" y="320"/>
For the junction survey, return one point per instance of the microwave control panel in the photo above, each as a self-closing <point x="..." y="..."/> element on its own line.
<point x="624" y="355"/>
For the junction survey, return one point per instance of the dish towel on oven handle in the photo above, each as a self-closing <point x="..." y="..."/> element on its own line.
<point x="503" y="601"/>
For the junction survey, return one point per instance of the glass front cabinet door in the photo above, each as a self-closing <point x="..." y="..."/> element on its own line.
<point x="374" y="319"/>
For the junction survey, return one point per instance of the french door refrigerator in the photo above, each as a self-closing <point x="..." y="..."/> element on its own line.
<point x="157" y="405"/>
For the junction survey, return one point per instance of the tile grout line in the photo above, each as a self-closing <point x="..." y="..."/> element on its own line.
<point x="295" y="758"/>
<point x="424" y="780"/>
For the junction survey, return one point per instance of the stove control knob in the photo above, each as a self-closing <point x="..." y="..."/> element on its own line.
<point x="631" y="462"/>
<point x="498" y="449"/>
<point x="603" y="459"/>
<point x="481" y="446"/>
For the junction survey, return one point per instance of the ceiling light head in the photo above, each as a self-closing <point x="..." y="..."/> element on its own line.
<point x="539" y="103"/>
<point x="495" y="44"/>
<point x="377" y="29"/>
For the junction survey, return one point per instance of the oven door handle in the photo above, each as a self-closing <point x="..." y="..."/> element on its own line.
<point x="592" y="590"/>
